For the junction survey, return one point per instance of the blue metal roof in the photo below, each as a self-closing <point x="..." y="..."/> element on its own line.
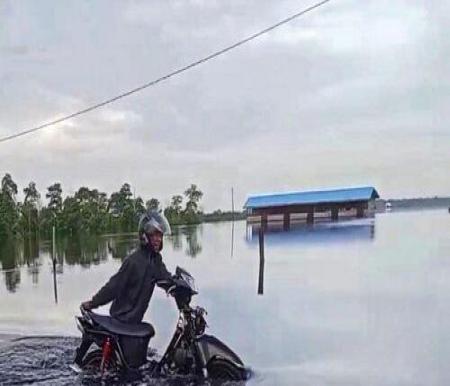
<point x="312" y="197"/>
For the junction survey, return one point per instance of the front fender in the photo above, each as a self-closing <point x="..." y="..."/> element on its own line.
<point x="210" y="347"/>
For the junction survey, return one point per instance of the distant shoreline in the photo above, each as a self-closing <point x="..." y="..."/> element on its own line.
<point x="414" y="203"/>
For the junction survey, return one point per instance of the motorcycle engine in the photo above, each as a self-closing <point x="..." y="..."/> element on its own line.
<point x="183" y="359"/>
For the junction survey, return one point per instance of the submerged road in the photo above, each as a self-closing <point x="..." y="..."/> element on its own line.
<point x="46" y="360"/>
<point x="36" y="360"/>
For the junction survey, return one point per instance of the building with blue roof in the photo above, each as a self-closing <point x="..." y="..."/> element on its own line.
<point x="314" y="205"/>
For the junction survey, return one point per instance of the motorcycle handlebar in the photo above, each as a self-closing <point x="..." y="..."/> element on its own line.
<point x="171" y="289"/>
<point x="85" y="314"/>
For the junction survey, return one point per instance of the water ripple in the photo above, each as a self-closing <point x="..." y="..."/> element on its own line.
<point x="46" y="360"/>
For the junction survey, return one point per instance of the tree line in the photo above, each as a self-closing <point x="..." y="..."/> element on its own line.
<point x="86" y="211"/>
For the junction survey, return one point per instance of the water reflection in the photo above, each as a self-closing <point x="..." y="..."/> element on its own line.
<point x="121" y="246"/>
<point x="190" y="235"/>
<point x="232" y="238"/>
<point x="345" y="231"/>
<point x="176" y="239"/>
<point x="9" y="252"/>
<point x="12" y="279"/>
<point x="55" y="284"/>
<point x="31" y="256"/>
<point x="339" y="305"/>
<point x="85" y="251"/>
<point x="276" y="233"/>
<point x="26" y="253"/>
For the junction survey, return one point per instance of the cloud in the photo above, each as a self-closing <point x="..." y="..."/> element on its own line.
<point x="349" y="94"/>
<point x="119" y="116"/>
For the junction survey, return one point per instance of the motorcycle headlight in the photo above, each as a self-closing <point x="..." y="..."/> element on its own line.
<point x="190" y="281"/>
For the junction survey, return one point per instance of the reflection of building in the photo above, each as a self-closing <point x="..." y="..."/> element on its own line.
<point x="311" y="206"/>
<point x="301" y="234"/>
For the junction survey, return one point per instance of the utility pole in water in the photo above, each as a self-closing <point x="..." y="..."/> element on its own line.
<point x="232" y="203"/>
<point x="232" y="223"/>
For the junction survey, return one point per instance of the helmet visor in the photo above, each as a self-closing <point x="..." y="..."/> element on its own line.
<point x="157" y="222"/>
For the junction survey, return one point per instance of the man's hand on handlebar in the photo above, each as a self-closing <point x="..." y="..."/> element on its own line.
<point x="87" y="305"/>
<point x="171" y="289"/>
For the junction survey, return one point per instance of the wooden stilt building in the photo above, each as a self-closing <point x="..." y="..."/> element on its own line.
<point x="311" y="206"/>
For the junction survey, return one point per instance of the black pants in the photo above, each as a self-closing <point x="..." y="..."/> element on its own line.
<point x="82" y="350"/>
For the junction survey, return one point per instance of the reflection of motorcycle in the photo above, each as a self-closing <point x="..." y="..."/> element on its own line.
<point x="123" y="346"/>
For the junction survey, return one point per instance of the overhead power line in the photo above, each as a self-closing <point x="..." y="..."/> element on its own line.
<point x="165" y="77"/>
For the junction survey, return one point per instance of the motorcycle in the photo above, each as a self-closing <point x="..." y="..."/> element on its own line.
<point x="121" y="347"/>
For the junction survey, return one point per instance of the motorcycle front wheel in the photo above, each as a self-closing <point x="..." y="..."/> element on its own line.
<point x="224" y="371"/>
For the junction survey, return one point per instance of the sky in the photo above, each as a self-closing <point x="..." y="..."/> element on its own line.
<point x="353" y="93"/>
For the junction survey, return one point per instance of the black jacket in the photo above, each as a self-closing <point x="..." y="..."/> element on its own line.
<point x="131" y="288"/>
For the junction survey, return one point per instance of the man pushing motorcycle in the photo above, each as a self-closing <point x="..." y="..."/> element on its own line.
<point x="120" y="342"/>
<point x="131" y="288"/>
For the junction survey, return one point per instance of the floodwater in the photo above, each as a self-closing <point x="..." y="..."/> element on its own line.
<point x="364" y="302"/>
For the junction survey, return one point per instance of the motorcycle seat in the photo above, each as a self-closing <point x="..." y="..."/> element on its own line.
<point x="139" y="330"/>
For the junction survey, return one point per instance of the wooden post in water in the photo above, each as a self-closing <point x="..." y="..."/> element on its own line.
<point x="54" y="262"/>
<point x="261" y="262"/>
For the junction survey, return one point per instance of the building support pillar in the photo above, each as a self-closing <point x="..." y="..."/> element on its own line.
<point x="360" y="211"/>
<point x="335" y="214"/>
<point x="264" y="221"/>
<point x="286" y="221"/>
<point x="310" y="217"/>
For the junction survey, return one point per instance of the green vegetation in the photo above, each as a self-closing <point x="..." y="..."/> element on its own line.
<point x="9" y="209"/>
<point x="191" y="213"/>
<point x="88" y="211"/>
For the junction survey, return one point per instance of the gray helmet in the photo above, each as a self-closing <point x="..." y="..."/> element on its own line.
<point x="150" y="222"/>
